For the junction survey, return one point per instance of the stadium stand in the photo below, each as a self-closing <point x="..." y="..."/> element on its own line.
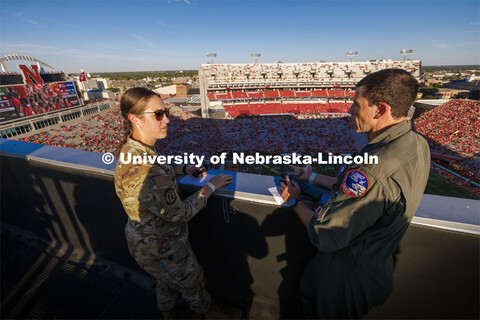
<point x="319" y="93"/>
<point x="287" y="93"/>
<point x="316" y="82"/>
<point x="453" y="129"/>
<point x="239" y="95"/>
<point x="336" y="93"/>
<point x="190" y="133"/>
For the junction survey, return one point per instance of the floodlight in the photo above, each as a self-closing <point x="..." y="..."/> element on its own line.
<point x="405" y="52"/>
<point x="211" y="55"/>
<point x="256" y="56"/>
<point x="351" y="54"/>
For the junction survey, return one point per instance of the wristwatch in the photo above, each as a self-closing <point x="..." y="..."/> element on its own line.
<point x="293" y="202"/>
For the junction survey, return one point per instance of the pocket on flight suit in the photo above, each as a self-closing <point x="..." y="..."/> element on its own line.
<point x="143" y="247"/>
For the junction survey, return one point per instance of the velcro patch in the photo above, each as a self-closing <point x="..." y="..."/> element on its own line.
<point x="355" y="183"/>
<point x="170" y="195"/>
<point x="163" y="181"/>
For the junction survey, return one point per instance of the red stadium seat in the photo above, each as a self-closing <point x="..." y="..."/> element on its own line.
<point x="255" y="94"/>
<point x="271" y="94"/>
<point x="287" y="94"/>
<point x="239" y="95"/>
<point x="338" y="107"/>
<point x="336" y="93"/>
<point x="225" y="96"/>
<point x="300" y="94"/>
<point x="321" y="107"/>
<point x="319" y="93"/>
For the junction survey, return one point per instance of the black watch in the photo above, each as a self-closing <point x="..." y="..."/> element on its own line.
<point x="293" y="202"/>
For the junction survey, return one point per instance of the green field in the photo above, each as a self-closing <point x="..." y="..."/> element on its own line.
<point x="436" y="185"/>
<point x="439" y="186"/>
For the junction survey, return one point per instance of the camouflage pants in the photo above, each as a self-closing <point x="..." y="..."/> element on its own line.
<point x="176" y="273"/>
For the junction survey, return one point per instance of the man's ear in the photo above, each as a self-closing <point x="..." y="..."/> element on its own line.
<point x="382" y="109"/>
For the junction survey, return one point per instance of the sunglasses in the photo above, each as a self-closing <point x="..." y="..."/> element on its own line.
<point x="159" y="113"/>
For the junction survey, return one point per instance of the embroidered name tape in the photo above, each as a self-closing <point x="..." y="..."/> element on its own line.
<point x="355" y="183"/>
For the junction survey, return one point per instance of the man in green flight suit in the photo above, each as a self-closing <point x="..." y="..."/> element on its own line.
<point x="370" y="205"/>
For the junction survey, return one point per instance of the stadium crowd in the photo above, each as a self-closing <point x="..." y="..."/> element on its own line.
<point x="454" y="129"/>
<point x="98" y="133"/>
<point x="190" y="133"/>
<point x="267" y="135"/>
<point x="34" y="99"/>
<point x="451" y="128"/>
<point x="464" y="184"/>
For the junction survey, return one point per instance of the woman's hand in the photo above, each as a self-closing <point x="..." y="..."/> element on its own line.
<point x="302" y="174"/>
<point x="221" y="180"/>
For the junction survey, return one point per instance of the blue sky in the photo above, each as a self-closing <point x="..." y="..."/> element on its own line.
<point x="165" y="35"/>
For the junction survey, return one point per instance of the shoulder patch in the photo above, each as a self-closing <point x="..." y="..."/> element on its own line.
<point x="170" y="196"/>
<point x="355" y="183"/>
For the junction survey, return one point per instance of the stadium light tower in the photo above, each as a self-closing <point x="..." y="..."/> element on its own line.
<point x="256" y="56"/>
<point x="405" y="52"/>
<point x="211" y="55"/>
<point x="351" y="54"/>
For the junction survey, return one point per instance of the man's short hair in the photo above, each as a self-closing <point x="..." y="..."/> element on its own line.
<point x="396" y="87"/>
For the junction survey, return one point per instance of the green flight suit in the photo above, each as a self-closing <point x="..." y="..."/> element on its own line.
<point x="157" y="229"/>
<point x="358" y="229"/>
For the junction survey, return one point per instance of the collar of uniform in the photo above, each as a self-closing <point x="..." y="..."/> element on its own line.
<point x="390" y="134"/>
<point x="140" y="146"/>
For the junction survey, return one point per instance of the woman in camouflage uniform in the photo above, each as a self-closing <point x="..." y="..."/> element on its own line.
<point x="157" y="230"/>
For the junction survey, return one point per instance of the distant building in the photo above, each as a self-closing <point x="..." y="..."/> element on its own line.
<point x="193" y="91"/>
<point x="180" y="80"/>
<point x="103" y="83"/>
<point x="182" y="89"/>
<point x="125" y="84"/>
<point x="166" y="92"/>
<point x="447" y="93"/>
<point x="422" y="106"/>
<point x="89" y="84"/>
<point x="471" y="84"/>
<point x="99" y="94"/>
<point x="430" y="82"/>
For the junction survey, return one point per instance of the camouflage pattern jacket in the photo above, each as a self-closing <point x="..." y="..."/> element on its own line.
<point x="149" y="193"/>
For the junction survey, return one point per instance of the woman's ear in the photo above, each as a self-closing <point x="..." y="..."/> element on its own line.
<point x="133" y="119"/>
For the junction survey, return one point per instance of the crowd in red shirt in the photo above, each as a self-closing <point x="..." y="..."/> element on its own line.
<point x="190" y="133"/>
<point x="454" y="129"/>
<point x="99" y="133"/>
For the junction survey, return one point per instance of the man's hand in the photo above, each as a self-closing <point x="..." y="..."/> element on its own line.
<point x="191" y="169"/>
<point x="302" y="174"/>
<point x="291" y="190"/>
